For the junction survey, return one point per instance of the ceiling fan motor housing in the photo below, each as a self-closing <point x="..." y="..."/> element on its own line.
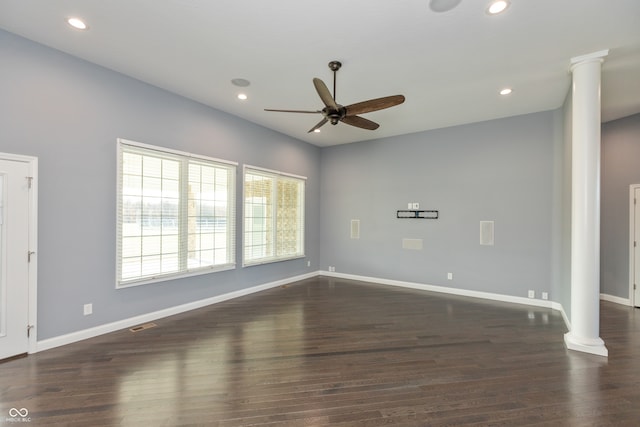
<point x="334" y="116"/>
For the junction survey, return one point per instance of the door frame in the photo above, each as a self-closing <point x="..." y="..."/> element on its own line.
<point x="32" y="162"/>
<point x="632" y="248"/>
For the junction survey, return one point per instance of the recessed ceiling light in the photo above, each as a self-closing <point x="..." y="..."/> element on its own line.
<point x="316" y="131"/>
<point x="506" y="91"/>
<point x="242" y="96"/>
<point x="77" y="23"/>
<point x="497" y="6"/>
<point x="240" y="82"/>
<point x="443" y="5"/>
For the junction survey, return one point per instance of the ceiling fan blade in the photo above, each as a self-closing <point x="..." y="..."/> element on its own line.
<point x="293" y="111"/>
<point x="360" y="122"/>
<point x="319" y="125"/>
<point x="324" y="93"/>
<point x="374" y="105"/>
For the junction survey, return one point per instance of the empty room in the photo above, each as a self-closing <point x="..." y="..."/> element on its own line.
<point x="415" y="213"/>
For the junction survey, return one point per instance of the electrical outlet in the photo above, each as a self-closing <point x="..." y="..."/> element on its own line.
<point x="545" y="295"/>
<point x="531" y="294"/>
<point x="308" y="263"/>
<point x="332" y="269"/>
<point x="416" y="205"/>
<point x="409" y="205"/>
<point x="449" y="276"/>
<point x="88" y="309"/>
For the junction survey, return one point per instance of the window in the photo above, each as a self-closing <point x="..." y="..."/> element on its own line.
<point x="176" y="214"/>
<point x="273" y="216"/>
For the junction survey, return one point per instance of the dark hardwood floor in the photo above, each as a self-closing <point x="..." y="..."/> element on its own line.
<point x="332" y="352"/>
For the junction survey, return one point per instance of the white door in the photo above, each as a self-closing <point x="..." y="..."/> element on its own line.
<point x="636" y="247"/>
<point x="14" y="263"/>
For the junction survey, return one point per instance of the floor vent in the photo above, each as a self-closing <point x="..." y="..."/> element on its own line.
<point x="143" y="327"/>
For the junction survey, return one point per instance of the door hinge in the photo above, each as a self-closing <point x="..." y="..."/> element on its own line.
<point x="30" y="181"/>
<point x="29" y="328"/>
<point x="29" y="255"/>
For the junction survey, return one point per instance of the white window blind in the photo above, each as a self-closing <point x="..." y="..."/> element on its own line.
<point x="273" y="216"/>
<point x="176" y="214"/>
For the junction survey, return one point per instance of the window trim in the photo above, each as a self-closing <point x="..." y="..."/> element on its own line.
<point x="123" y="284"/>
<point x="273" y="259"/>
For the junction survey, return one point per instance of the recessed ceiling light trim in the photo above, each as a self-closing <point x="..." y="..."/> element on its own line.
<point x="77" y="23"/>
<point x="497" y="6"/>
<point x="242" y="96"/>
<point x="443" y="5"/>
<point x="506" y="91"/>
<point x="240" y="82"/>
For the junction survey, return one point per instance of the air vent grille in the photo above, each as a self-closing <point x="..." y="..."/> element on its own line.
<point x="486" y="233"/>
<point x="143" y="327"/>
<point x="355" y="228"/>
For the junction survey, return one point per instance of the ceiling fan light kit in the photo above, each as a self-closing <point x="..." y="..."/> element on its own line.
<point x="334" y="113"/>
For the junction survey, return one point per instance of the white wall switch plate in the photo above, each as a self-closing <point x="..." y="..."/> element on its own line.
<point x="88" y="309"/>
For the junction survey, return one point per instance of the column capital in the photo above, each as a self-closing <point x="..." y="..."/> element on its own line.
<point x="589" y="57"/>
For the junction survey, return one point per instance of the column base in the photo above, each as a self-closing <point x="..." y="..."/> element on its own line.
<point x="588" y="345"/>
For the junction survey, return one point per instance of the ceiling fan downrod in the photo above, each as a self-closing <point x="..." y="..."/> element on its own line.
<point x="334" y="66"/>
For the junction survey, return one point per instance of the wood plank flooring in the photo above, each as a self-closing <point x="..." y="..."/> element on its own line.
<point x="332" y="352"/>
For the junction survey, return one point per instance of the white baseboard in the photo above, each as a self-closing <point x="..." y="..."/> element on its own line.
<point x="453" y="291"/>
<point x="444" y="289"/>
<point x="615" y="299"/>
<point x="149" y="317"/>
<point x="558" y="307"/>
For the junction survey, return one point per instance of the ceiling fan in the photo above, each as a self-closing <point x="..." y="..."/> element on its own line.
<point x="334" y="112"/>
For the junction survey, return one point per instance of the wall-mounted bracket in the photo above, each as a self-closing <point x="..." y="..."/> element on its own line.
<point x="417" y="214"/>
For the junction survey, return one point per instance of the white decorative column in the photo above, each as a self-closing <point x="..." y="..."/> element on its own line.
<point x="585" y="206"/>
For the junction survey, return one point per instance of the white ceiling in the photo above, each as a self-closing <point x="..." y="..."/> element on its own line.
<point x="449" y="65"/>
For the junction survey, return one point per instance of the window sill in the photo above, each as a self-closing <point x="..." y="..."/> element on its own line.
<point x="271" y="260"/>
<point x="167" y="277"/>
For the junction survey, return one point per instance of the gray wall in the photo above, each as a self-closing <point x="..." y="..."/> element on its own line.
<point x="68" y="113"/>
<point x="562" y="280"/>
<point x="509" y="171"/>
<point x="620" y="169"/>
